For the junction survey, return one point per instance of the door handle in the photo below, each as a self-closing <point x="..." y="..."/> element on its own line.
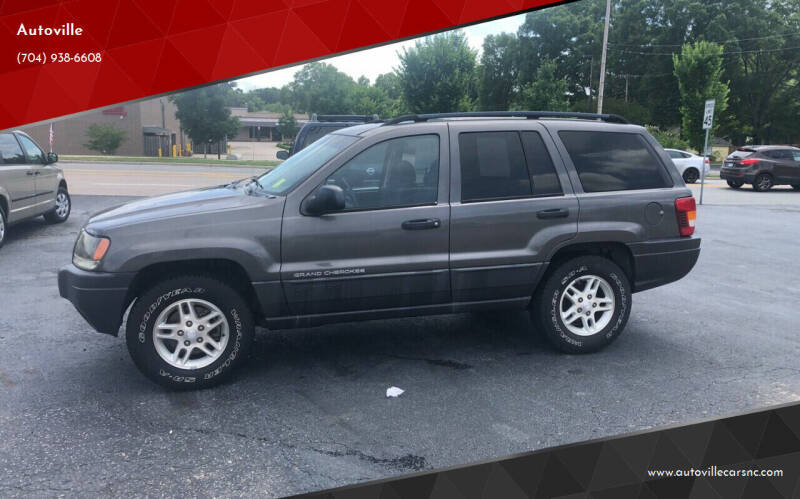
<point x="553" y="213"/>
<point x="422" y="223"/>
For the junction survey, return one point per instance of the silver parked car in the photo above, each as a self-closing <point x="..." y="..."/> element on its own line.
<point x="30" y="183"/>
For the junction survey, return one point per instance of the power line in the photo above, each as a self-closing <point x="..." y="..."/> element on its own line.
<point x="731" y="40"/>
<point x="732" y="52"/>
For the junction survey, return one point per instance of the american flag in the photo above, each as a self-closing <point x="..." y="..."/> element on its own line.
<point x="52" y="135"/>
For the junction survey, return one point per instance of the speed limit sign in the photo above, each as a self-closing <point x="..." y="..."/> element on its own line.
<point x="708" y="114"/>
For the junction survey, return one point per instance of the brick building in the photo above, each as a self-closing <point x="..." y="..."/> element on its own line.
<point x="149" y="124"/>
<point x="260" y="126"/>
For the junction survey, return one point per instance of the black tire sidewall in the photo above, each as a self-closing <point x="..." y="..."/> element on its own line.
<point x="52" y="216"/>
<point x="757" y="183"/>
<point x="5" y="226"/>
<point x="549" y="311"/>
<point x="735" y="184"/>
<point x="139" y="331"/>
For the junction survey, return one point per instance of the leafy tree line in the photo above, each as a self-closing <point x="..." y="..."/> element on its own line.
<point x="665" y="58"/>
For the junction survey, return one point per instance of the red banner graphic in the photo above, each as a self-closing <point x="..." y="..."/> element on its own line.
<point x="63" y="57"/>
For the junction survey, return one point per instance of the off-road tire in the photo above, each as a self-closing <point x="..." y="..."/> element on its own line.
<point x="545" y="310"/>
<point x="145" y="311"/>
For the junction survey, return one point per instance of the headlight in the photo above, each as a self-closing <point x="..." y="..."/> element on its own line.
<point x="89" y="250"/>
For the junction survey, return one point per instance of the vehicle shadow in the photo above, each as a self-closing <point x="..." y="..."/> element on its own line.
<point x="448" y="341"/>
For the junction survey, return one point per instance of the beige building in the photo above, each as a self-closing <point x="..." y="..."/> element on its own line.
<point x="148" y="125"/>
<point x="260" y="126"/>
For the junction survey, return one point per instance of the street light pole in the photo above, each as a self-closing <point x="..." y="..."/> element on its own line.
<point x="603" y="60"/>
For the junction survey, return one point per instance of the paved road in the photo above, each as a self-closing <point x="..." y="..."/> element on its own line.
<point x="308" y="411"/>
<point x="123" y="179"/>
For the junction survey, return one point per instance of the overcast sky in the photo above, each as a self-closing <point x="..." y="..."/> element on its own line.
<point x="379" y="60"/>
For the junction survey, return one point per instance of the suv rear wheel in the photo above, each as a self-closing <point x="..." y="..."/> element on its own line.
<point x="763" y="182"/>
<point x="189" y="332"/>
<point x="735" y="184"/>
<point x="584" y="304"/>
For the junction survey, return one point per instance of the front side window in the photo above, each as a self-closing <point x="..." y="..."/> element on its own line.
<point x="10" y="152"/>
<point x="35" y="155"/>
<point x="613" y="161"/>
<point x="796" y="155"/>
<point x="299" y="166"/>
<point x="492" y="166"/>
<point x="393" y="173"/>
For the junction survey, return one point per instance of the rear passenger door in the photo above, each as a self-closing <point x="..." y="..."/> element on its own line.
<point x="511" y="204"/>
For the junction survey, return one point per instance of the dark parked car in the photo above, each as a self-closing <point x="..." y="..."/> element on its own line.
<point x="762" y="166"/>
<point x="565" y="218"/>
<point x="30" y="183"/>
<point x="321" y="125"/>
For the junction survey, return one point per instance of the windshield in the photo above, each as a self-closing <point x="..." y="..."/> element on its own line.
<point x="298" y="167"/>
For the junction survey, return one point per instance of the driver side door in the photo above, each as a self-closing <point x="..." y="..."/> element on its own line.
<point x="387" y="251"/>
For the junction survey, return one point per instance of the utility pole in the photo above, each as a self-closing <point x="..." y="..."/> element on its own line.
<point x="589" y="92"/>
<point x="626" y="87"/>
<point x="603" y="60"/>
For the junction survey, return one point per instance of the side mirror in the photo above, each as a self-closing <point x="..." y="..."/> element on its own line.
<point x="51" y="158"/>
<point x="326" y="199"/>
<point x="282" y="154"/>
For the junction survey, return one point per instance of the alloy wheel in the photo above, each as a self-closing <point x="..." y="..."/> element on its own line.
<point x="191" y="334"/>
<point x="587" y="305"/>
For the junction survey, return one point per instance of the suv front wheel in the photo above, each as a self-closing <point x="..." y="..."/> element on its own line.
<point x="583" y="305"/>
<point x="189" y="332"/>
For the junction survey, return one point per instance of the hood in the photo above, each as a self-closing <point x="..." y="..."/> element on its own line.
<point x="216" y="200"/>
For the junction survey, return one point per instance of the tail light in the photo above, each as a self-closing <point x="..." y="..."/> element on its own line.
<point x="686" y="211"/>
<point x="706" y="161"/>
<point x="748" y="162"/>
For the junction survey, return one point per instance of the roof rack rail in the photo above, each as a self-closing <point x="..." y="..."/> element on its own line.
<point x="531" y="115"/>
<point x="366" y="118"/>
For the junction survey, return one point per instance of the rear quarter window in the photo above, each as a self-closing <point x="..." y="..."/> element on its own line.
<point x="614" y="161"/>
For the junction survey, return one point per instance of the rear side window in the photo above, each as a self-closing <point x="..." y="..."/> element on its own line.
<point x="10" y="152"/>
<point x="540" y="164"/>
<point x="614" y="161"/>
<point x="492" y="166"/>
<point x="779" y="154"/>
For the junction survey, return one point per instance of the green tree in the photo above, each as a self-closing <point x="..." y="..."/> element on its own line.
<point x="322" y="89"/>
<point x="104" y="138"/>
<point x="699" y="72"/>
<point x="204" y="114"/>
<point x="437" y="74"/>
<point x="498" y="72"/>
<point x="287" y="125"/>
<point x="548" y="92"/>
<point x="668" y="139"/>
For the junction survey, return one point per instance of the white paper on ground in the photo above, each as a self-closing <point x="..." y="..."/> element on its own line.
<point x="393" y="391"/>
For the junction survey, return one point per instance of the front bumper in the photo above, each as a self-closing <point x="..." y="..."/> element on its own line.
<point x="663" y="261"/>
<point x="99" y="297"/>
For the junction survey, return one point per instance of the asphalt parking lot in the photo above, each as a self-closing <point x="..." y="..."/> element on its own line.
<point x="309" y="411"/>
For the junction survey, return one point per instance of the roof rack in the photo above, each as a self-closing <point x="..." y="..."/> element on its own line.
<point x="365" y="118"/>
<point x="531" y="115"/>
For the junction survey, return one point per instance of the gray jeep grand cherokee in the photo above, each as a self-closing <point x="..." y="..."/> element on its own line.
<point x="562" y="214"/>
